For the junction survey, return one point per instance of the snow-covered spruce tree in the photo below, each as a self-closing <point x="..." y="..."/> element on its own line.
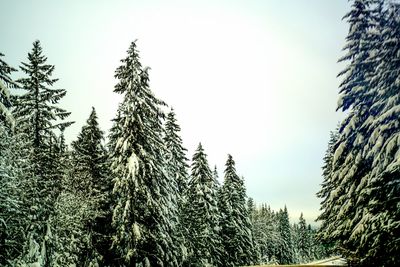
<point x="303" y="241"/>
<point x="176" y="163"/>
<point x="5" y="98"/>
<point x="145" y="214"/>
<point x="295" y="236"/>
<point x="102" y="187"/>
<point x="235" y="223"/>
<point x="346" y="168"/>
<point x="38" y="116"/>
<point x="202" y="214"/>
<point x="82" y="225"/>
<point x="251" y="209"/>
<point x="350" y="168"/>
<point x="36" y="109"/>
<point x="286" y="249"/>
<point x="376" y="233"/>
<point x="361" y="215"/>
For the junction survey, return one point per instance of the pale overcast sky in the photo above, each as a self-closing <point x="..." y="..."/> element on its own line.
<point x="256" y="79"/>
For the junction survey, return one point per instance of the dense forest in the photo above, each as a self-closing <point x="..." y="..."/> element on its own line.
<point x="133" y="198"/>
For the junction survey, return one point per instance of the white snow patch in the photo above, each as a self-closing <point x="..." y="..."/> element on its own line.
<point x="133" y="165"/>
<point x="136" y="231"/>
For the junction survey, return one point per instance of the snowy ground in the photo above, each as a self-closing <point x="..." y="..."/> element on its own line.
<point x="337" y="261"/>
<point x="333" y="261"/>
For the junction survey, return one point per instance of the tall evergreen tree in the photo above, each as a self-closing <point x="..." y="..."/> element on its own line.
<point x="350" y="170"/>
<point x="339" y="204"/>
<point x="286" y="250"/>
<point x="303" y="241"/>
<point x="36" y="110"/>
<point x="359" y="210"/>
<point x="203" y="215"/>
<point x="88" y="180"/>
<point x="144" y="217"/>
<point x="177" y="170"/>
<point x="235" y="222"/>
<point x="251" y="209"/>
<point x="38" y="116"/>
<point x="375" y="233"/>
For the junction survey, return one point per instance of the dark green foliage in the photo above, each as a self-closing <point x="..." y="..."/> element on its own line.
<point x="251" y="209"/>
<point x="89" y="160"/>
<point x="202" y="214"/>
<point x="360" y="198"/>
<point x="236" y="234"/>
<point x="328" y="185"/>
<point x="5" y="98"/>
<point x="38" y="116"/>
<point x="177" y="161"/>
<point x="176" y="164"/>
<point x="13" y="214"/>
<point x="303" y="244"/>
<point x="84" y="205"/>
<point x="36" y="110"/>
<point x="265" y="233"/>
<point x="285" y="253"/>
<point x="145" y="214"/>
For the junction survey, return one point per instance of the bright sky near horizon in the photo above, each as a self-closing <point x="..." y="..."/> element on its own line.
<point x="255" y="79"/>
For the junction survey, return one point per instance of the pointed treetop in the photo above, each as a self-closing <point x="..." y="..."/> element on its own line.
<point x="37" y="109"/>
<point x="231" y="176"/>
<point x="230" y="164"/>
<point x="199" y="154"/>
<point x="200" y="147"/>
<point x="215" y="172"/>
<point x="90" y="134"/>
<point x="92" y="117"/>
<point x="172" y="127"/>
<point x="37" y="60"/>
<point x="133" y="81"/>
<point x="200" y="168"/>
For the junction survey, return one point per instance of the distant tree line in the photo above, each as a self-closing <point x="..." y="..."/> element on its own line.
<point x="276" y="241"/>
<point x="131" y="202"/>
